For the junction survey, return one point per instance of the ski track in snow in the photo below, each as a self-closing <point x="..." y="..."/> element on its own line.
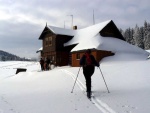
<point x="103" y="107"/>
<point x="7" y="105"/>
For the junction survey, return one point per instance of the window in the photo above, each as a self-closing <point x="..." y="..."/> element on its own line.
<point x="78" y="56"/>
<point x="48" y="41"/>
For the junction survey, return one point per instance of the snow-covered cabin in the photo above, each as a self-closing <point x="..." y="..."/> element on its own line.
<point x="66" y="46"/>
<point x="53" y="39"/>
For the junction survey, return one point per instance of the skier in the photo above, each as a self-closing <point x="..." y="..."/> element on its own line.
<point x="42" y="64"/>
<point x="88" y="63"/>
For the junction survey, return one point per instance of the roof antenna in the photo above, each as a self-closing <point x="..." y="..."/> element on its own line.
<point x="72" y="21"/>
<point x="93" y="18"/>
<point x="46" y="24"/>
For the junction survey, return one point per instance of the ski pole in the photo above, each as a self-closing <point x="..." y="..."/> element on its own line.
<point x="75" y="80"/>
<point x="104" y="79"/>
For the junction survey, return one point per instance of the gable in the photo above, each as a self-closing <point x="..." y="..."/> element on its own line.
<point x="87" y="33"/>
<point x="51" y="30"/>
<point x="111" y="31"/>
<point x="44" y="32"/>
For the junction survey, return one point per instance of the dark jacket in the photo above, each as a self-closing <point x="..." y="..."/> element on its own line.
<point x="41" y="61"/>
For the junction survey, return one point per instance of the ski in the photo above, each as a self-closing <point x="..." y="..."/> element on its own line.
<point x="90" y="99"/>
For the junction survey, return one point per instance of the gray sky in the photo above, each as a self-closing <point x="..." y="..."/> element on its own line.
<point x="22" y="21"/>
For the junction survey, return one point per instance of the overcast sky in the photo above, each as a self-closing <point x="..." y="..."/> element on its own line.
<point x="22" y="21"/>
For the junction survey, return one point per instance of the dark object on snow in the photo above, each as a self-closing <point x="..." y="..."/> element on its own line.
<point x="20" y="70"/>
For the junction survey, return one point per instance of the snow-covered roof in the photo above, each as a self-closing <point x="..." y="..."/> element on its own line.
<point x="87" y="33"/>
<point x="62" y="31"/>
<point x="39" y="50"/>
<point x="109" y="44"/>
<point x="90" y="38"/>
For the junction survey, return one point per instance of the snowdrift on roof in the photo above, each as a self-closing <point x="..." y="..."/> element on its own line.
<point x="109" y="44"/>
<point x="87" y="33"/>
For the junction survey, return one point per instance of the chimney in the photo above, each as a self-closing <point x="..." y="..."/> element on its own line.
<point x="74" y="27"/>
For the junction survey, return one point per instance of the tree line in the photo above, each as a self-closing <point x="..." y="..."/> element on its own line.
<point x="5" y="56"/>
<point x="139" y="36"/>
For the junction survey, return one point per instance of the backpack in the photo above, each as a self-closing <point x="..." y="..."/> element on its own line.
<point x="88" y="60"/>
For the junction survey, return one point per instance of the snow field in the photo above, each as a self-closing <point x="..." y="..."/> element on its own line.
<point x="38" y="92"/>
<point x="127" y="77"/>
<point x="100" y="105"/>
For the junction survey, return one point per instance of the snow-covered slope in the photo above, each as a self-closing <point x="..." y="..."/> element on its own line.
<point x="50" y="91"/>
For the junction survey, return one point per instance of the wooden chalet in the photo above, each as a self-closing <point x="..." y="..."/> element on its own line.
<point x="53" y="40"/>
<point x="58" y="43"/>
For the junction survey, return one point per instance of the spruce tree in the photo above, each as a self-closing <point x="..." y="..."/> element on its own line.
<point x="138" y="37"/>
<point x="141" y="45"/>
<point x="145" y="33"/>
<point x="131" y="36"/>
<point x="147" y="37"/>
<point x="127" y="35"/>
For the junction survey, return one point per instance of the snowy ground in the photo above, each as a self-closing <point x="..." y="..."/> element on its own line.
<point x="127" y="77"/>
